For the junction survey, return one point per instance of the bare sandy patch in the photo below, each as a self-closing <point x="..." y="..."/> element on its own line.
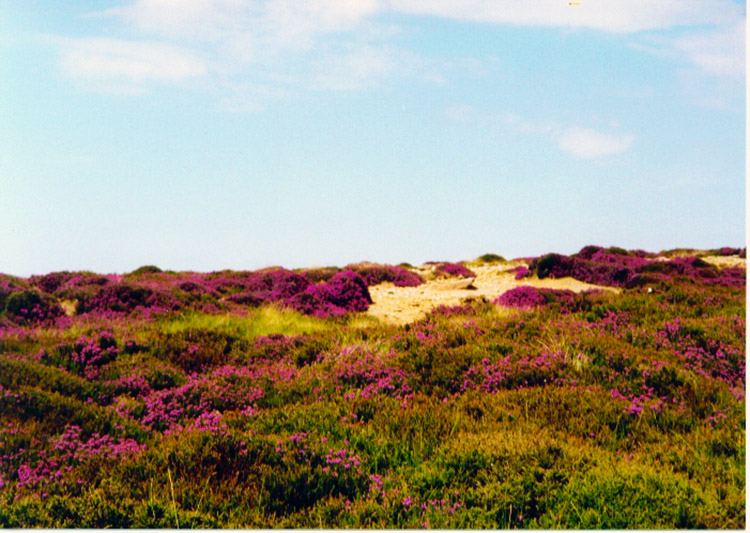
<point x="402" y="305"/>
<point x="69" y="306"/>
<point x="725" y="260"/>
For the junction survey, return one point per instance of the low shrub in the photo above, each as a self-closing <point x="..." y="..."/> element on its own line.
<point x="491" y="258"/>
<point x="146" y="269"/>
<point x="29" y="306"/>
<point x="523" y="297"/>
<point x="376" y="274"/>
<point x="552" y="266"/>
<point x="456" y="270"/>
<point x="124" y="297"/>
<point x="345" y="292"/>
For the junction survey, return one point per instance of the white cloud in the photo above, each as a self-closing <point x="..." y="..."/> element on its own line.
<point x="195" y="19"/>
<point x="342" y="45"/>
<point x="294" y="23"/>
<point x="274" y="23"/>
<point x="257" y="43"/>
<point x="620" y="16"/>
<point x="125" y="66"/>
<point x="588" y="144"/>
<point x="719" y="53"/>
<point x="292" y="19"/>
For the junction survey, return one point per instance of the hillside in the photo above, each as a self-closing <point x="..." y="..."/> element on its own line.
<point x="605" y="389"/>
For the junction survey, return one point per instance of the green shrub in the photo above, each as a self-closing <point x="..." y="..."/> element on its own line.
<point x="146" y="269"/>
<point x="491" y="258"/>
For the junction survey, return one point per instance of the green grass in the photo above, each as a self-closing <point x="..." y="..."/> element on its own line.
<point x="267" y="320"/>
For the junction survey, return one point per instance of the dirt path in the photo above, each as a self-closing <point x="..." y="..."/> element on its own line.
<point x="402" y="305"/>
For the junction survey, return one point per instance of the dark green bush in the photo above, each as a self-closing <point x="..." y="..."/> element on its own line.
<point x="146" y="269"/>
<point x="491" y="258"/>
<point x="31" y="306"/>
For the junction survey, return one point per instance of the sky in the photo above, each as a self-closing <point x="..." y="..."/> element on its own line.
<point x="238" y="134"/>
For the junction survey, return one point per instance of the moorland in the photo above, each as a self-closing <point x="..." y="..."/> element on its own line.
<point x="602" y="389"/>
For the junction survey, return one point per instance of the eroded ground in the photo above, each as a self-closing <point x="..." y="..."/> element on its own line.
<point x="402" y="305"/>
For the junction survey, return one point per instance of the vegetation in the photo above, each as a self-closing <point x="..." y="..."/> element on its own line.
<point x="491" y="258"/>
<point x="266" y="399"/>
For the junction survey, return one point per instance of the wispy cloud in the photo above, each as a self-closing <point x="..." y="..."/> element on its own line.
<point x="345" y="45"/>
<point x="619" y="16"/>
<point x="586" y="143"/>
<point x="718" y="53"/>
<point x="250" y="45"/>
<point x="576" y="141"/>
<point x="126" y="66"/>
<point x="276" y="24"/>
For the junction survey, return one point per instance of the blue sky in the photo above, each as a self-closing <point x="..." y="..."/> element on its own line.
<point x="203" y="135"/>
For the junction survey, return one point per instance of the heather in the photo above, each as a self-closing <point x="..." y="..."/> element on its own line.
<point x="372" y="274"/>
<point x="444" y="269"/>
<point x="263" y="399"/>
<point x="616" y="267"/>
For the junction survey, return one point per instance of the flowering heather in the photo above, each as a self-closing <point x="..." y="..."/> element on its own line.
<point x="345" y="292"/>
<point x="54" y="468"/>
<point x="454" y="270"/>
<point x="523" y="297"/>
<point x="60" y="283"/>
<point x="521" y="272"/>
<point x="619" y="268"/>
<point x="186" y="400"/>
<point x="124" y="297"/>
<point x="29" y="306"/>
<point x="398" y="275"/>
<point x="85" y="356"/>
<point x="526" y="296"/>
<point x="277" y="284"/>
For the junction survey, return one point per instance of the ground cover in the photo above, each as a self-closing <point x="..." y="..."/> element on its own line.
<point x="600" y="390"/>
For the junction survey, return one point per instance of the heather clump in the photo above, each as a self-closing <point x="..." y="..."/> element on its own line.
<point x="453" y="270"/>
<point x="616" y="267"/>
<point x="145" y="269"/>
<point x="70" y="285"/>
<point x="85" y="356"/>
<point x="30" y="306"/>
<point x="61" y="467"/>
<point x="398" y="275"/>
<point x="526" y="296"/>
<point x="49" y="283"/>
<point x="522" y="297"/>
<point x="491" y="258"/>
<point x="224" y="389"/>
<point x="316" y="275"/>
<point x="124" y="297"/>
<point x="726" y="251"/>
<point x="194" y="349"/>
<point x="344" y="293"/>
<point x="276" y="284"/>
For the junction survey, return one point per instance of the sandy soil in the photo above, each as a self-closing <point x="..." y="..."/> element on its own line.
<point x="402" y="305"/>
<point x="725" y="260"/>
